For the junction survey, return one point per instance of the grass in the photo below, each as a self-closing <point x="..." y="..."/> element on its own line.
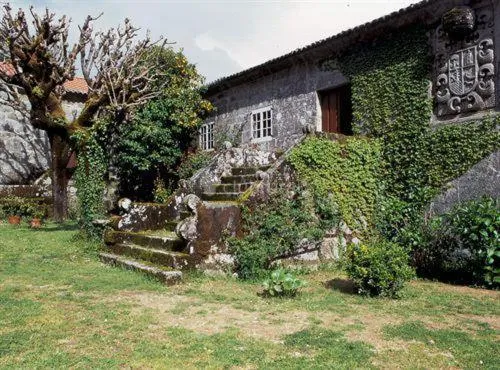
<point x="60" y="307"/>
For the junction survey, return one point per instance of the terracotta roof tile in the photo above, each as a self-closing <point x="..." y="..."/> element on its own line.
<point x="77" y="85"/>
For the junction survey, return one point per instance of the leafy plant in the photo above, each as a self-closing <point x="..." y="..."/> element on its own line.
<point x="275" y="229"/>
<point x="159" y="135"/>
<point x="17" y="206"/>
<point x="462" y="245"/>
<point x="89" y="176"/>
<point x="378" y="269"/>
<point x="161" y="193"/>
<point x="343" y="177"/>
<point x="193" y="162"/>
<point x="282" y="284"/>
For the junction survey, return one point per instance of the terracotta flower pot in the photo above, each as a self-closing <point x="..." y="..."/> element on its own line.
<point x="14" y="220"/>
<point x="36" y="223"/>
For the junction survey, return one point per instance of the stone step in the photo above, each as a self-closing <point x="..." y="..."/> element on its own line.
<point x="220" y="197"/>
<point x="158" y="257"/>
<point x="239" y="179"/>
<point x="232" y="188"/>
<point x="168" y="277"/>
<point x="237" y="171"/>
<point x="168" y="241"/>
<point x="171" y="225"/>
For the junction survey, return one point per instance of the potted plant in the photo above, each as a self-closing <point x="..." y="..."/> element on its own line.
<point x="13" y="208"/>
<point x="36" y="221"/>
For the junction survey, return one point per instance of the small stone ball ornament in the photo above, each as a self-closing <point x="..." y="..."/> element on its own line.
<point x="459" y="22"/>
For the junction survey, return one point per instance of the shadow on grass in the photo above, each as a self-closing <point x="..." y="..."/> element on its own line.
<point x="52" y="226"/>
<point x="342" y="285"/>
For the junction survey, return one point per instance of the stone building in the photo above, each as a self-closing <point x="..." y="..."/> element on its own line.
<point x="24" y="150"/>
<point x="274" y="104"/>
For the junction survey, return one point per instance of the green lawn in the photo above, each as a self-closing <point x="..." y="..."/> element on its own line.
<point x="60" y="307"/>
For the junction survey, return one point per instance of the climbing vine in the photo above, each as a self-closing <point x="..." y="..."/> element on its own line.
<point x="89" y="176"/>
<point x="391" y="101"/>
<point x="345" y="172"/>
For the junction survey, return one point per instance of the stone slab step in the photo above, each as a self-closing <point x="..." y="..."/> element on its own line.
<point x="236" y="171"/>
<point x="232" y="188"/>
<point x="175" y="260"/>
<point x="168" y="277"/>
<point x="171" y="225"/>
<point x="170" y="241"/>
<point x="220" y="197"/>
<point x="239" y="179"/>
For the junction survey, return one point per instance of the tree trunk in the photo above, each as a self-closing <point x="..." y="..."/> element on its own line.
<point x="59" y="151"/>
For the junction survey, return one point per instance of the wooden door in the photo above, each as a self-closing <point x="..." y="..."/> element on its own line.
<point x="330" y="111"/>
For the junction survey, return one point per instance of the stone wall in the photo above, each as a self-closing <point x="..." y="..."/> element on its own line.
<point x="24" y="150"/>
<point x="483" y="179"/>
<point x="293" y="95"/>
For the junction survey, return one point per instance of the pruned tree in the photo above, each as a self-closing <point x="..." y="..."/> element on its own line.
<point x="117" y="66"/>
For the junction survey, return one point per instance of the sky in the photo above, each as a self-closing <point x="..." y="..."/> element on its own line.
<point x="225" y="37"/>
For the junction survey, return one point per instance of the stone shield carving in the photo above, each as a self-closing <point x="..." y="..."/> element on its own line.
<point x="465" y="70"/>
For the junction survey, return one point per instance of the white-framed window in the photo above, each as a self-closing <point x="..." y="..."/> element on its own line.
<point x="262" y="124"/>
<point x="207" y="136"/>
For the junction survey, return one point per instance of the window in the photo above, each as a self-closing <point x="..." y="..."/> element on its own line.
<point x="207" y="136"/>
<point x="262" y="124"/>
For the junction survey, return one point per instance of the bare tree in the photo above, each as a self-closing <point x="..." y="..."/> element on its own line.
<point x="118" y="68"/>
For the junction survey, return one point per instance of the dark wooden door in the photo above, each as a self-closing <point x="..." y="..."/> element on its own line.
<point x="330" y="110"/>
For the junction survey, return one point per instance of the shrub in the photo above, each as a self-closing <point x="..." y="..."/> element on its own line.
<point x="282" y="284"/>
<point x="274" y="229"/>
<point x="378" y="269"/>
<point x="463" y="245"/>
<point x="193" y="162"/>
<point x="159" y="134"/>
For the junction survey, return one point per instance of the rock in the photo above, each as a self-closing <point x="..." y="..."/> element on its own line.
<point x="227" y="145"/>
<point x="23" y="157"/>
<point x="124" y="204"/>
<point x="191" y="201"/>
<point x="187" y="228"/>
<point x="24" y="150"/>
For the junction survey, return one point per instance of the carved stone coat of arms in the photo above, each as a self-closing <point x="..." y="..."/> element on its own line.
<point x="464" y="69"/>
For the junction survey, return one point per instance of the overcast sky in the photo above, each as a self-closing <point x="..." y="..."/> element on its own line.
<point x="224" y="37"/>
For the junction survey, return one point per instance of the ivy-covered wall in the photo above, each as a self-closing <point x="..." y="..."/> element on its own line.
<point x="391" y="101"/>
<point x="343" y="176"/>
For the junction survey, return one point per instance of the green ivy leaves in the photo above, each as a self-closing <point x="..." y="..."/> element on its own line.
<point x="347" y="172"/>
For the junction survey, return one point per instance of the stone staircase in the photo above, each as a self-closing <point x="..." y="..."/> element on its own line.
<point x="158" y="253"/>
<point x="231" y="187"/>
<point x="156" y="249"/>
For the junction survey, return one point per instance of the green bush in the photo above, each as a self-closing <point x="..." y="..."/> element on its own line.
<point x="18" y="206"/>
<point x="463" y="245"/>
<point x="161" y="132"/>
<point x="192" y="162"/>
<point x="378" y="269"/>
<point x="282" y="284"/>
<point x="274" y="229"/>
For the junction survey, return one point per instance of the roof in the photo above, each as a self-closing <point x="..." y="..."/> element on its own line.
<point x="77" y="85"/>
<point x="332" y="45"/>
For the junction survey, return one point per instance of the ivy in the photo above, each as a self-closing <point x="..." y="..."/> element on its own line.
<point x="391" y="101"/>
<point x="89" y="177"/>
<point x="345" y="172"/>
